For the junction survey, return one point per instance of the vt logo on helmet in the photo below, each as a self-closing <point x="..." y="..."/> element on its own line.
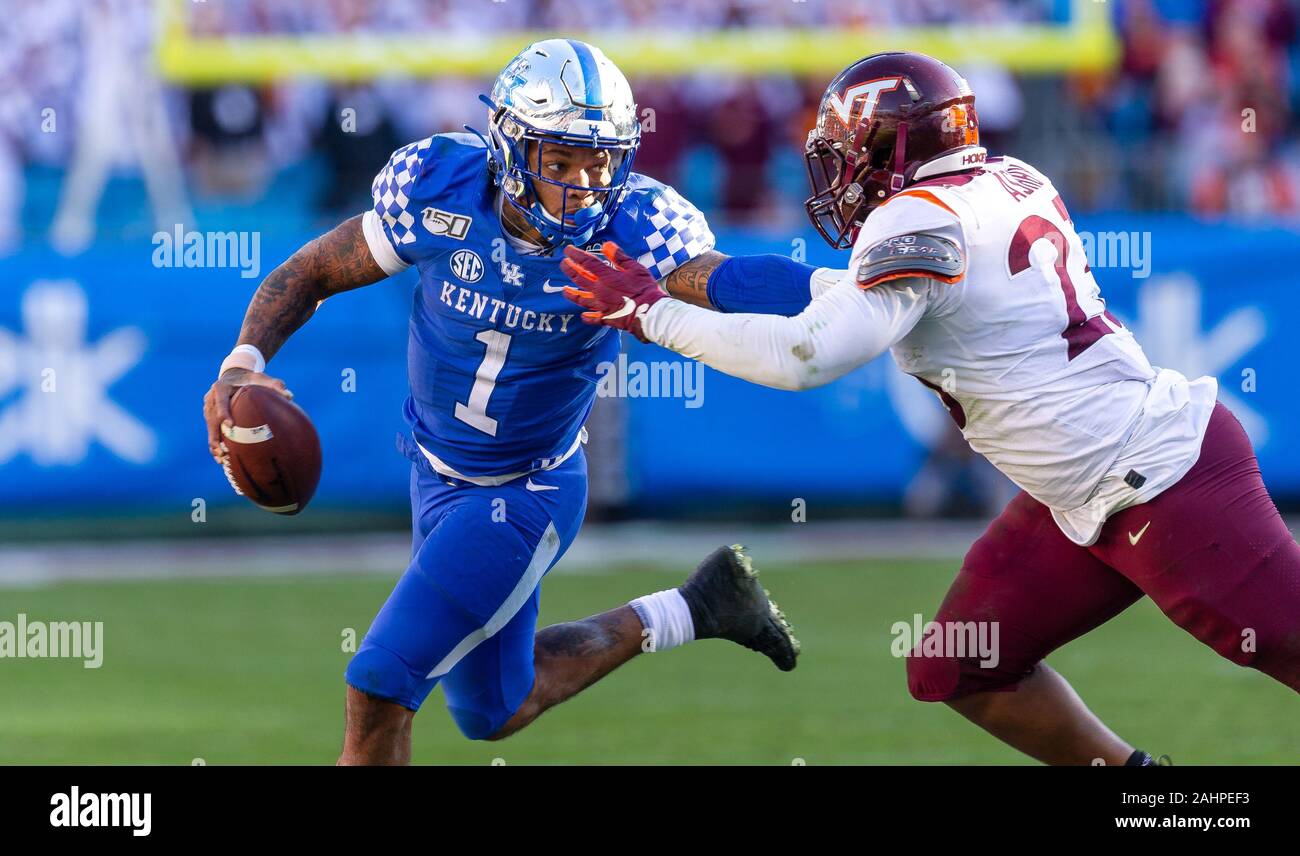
<point x="885" y="122"/>
<point x="561" y="92"/>
<point x="862" y="97"/>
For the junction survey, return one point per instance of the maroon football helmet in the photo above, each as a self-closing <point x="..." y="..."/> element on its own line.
<point x="885" y="122"/>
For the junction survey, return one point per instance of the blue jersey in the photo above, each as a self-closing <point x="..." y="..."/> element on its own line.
<point x="503" y="372"/>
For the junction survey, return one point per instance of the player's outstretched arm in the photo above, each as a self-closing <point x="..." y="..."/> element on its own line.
<point x="338" y="261"/>
<point x="767" y="284"/>
<point x="690" y="281"/>
<point x="840" y="330"/>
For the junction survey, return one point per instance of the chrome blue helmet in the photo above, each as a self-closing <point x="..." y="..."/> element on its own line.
<point x="561" y="92"/>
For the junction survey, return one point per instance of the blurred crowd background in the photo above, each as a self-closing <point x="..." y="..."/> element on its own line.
<point x="1159" y="132"/>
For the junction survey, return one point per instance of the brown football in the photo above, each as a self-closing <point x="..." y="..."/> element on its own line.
<point x="273" y="451"/>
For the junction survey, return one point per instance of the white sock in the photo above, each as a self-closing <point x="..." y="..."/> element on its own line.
<point x="666" y="619"/>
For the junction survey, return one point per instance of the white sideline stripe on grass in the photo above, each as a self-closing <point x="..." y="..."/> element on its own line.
<point x="600" y="548"/>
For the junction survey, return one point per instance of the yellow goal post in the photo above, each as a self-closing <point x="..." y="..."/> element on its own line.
<point x="1086" y="43"/>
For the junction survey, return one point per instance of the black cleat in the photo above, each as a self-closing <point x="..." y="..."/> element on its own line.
<point x="727" y="602"/>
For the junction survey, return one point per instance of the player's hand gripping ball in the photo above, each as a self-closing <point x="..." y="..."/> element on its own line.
<point x="617" y="294"/>
<point x="273" y="453"/>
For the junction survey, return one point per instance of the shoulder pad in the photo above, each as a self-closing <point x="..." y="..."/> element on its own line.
<point x="437" y="178"/>
<point x="920" y="254"/>
<point x="659" y="227"/>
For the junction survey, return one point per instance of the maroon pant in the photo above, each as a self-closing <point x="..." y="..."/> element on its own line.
<point x="1212" y="552"/>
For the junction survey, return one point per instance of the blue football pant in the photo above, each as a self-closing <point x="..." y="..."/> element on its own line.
<point x="465" y="611"/>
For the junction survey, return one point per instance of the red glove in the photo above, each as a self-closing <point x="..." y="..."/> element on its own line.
<point x="616" y="295"/>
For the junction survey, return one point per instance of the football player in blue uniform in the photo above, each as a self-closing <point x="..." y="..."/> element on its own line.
<point x="503" y="375"/>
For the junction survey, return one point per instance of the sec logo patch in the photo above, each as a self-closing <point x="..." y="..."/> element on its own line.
<point x="467" y="265"/>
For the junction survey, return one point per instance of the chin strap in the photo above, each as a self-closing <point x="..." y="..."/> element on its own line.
<point x="584" y="219"/>
<point x="900" y="148"/>
<point x="494" y="156"/>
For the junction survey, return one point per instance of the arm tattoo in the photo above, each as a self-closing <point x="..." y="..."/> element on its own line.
<point x="335" y="262"/>
<point x="690" y="282"/>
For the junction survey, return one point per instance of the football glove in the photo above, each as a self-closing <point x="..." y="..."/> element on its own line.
<point x="617" y="294"/>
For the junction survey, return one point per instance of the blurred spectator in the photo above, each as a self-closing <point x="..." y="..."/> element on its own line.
<point x="228" y="152"/>
<point x="1246" y="112"/>
<point x="666" y="124"/>
<point x="120" y="120"/>
<point x="357" y="140"/>
<point x="740" y="129"/>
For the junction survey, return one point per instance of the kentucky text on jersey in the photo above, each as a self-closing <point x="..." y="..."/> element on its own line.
<point x="502" y="371"/>
<point x="464" y="300"/>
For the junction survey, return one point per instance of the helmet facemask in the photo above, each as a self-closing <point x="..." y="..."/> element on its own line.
<point x="520" y="174"/>
<point x="848" y="182"/>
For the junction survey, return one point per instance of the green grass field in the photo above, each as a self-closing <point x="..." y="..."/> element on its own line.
<point x="250" y="672"/>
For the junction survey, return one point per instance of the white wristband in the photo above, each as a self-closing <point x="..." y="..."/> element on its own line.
<point x="243" y="357"/>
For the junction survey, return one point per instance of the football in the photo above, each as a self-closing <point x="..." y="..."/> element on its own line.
<point x="274" y="454"/>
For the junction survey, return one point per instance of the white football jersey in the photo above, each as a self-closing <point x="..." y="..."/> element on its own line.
<point x="1041" y="379"/>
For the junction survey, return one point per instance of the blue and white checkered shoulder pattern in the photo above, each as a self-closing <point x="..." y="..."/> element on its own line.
<point x="676" y="233"/>
<point x="391" y="191"/>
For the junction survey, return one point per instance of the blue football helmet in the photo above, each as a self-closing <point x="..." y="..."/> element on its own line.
<point x="561" y="92"/>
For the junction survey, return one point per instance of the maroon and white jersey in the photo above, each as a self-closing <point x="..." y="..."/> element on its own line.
<point x="1041" y="379"/>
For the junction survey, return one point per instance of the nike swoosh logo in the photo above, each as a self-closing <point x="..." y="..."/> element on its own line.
<point x="1134" y="539"/>
<point x="629" y="306"/>
<point x="535" y="487"/>
<point x="551" y="289"/>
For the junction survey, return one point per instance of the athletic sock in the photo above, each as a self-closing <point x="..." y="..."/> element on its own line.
<point x="667" y="618"/>
<point x="1139" y="759"/>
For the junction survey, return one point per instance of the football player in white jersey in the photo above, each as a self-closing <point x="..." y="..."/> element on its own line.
<point x="1134" y="480"/>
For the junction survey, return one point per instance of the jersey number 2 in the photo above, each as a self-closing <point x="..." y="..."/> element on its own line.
<point x="474" y="413"/>
<point x="1081" y="332"/>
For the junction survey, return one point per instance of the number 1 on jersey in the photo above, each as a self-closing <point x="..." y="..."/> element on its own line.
<point x="485" y="380"/>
